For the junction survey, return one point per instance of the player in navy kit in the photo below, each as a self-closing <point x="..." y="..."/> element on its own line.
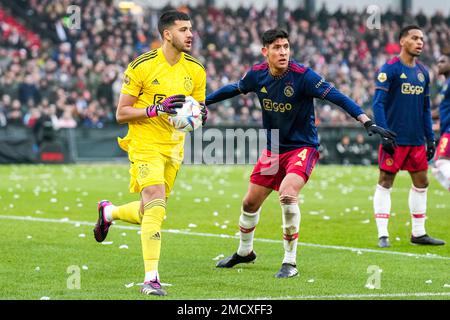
<point x="441" y="170"/>
<point x="402" y="104"/>
<point x="286" y="90"/>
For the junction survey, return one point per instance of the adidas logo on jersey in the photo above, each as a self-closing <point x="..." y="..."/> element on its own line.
<point x="263" y="90"/>
<point x="155" y="81"/>
<point x="403" y="76"/>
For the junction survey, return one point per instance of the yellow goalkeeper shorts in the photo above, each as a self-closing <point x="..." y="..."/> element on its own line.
<point x="152" y="168"/>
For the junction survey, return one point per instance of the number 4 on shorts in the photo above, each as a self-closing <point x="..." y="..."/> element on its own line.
<point x="302" y="156"/>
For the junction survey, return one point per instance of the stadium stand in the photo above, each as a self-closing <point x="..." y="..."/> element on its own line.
<point x="73" y="76"/>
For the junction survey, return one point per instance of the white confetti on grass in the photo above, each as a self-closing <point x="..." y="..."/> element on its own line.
<point x="106" y="243"/>
<point x="123" y="234"/>
<point x="365" y="221"/>
<point x="192" y="225"/>
<point x="220" y="256"/>
<point x="129" y="285"/>
<point x="123" y="246"/>
<point x="84" y="267"/>
<point x="45" y="298"/>
<point x="53" y="200"/>
<point x="37" y="268"/>
<point x="446" y="285"/>
<point x="429" y="281"/>
<point x="82" y="235"/>
<point x="311" y="280"/>
<point x="29" y="237"/>
<point x="326" y="218"/>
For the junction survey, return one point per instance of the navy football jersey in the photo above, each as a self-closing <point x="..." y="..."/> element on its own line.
<point x="287" y="103"/>
<point x="444" y="108"/>
<point x="401" y="102"/>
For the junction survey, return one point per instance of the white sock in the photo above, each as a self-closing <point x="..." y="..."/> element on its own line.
<point x="418" y="207"/>
<point x="108" y="210"/>
<point x="151" y="276"/>
<point x="382" y="209"/>
<point x="247" y="225"/>
<point x="442" y="172"/>
<point x="291" y="224"/>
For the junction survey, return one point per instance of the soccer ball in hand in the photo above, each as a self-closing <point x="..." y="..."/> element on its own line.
<point x="188" y="117"/>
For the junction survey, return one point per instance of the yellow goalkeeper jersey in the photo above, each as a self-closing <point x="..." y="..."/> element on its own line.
<point x="151" y="79"/>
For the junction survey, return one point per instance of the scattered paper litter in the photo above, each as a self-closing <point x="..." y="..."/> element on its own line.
<point x="429" y="281"/>
<point x="192" y="225"/>
<point x="53" y="200"/>
<point x="82" y="235"/>
<point x="123" y="234"/>
<point x="326" y="218"/>
<point x="446" y="285"/>
<point x="129" y="285"/>
<point x="124" y="246"/>
<point x="105" y="243"/>
<point x="220" y="256"/>
<point x="311" y="280"/>
<point x="37" y="269"/>
<point x="365" y="221"/>
<point x="166" y="284"/>
<point x="29" y="237"/>
<point x="84" y="267"/>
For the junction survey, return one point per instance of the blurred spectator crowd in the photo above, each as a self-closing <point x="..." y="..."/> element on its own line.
<point x="76" y="80"/>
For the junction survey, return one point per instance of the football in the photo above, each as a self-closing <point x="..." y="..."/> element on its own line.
<point x="188" y="117"/>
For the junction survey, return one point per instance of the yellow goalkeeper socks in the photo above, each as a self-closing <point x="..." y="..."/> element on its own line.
<point x="129" y="212"/>
<point x="154" y="212"/>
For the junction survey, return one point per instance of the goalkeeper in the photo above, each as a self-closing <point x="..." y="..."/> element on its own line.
<point x="155" y="85"/>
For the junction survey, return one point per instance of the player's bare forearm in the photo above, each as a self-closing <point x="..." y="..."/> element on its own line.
<point x="363" y="118"/>
<point x="126" y="112"/>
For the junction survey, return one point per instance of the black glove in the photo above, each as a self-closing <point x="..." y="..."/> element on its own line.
<point x="204" y="112"/>
<point x="372" y="128"/>
<point x="387" y="136"/>
<point x="431" y="149"/>
<point x="388" y="146"/>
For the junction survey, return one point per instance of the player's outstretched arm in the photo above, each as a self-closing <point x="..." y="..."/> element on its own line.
<point x="226" y="92"/>
<point x="126" y="112"/>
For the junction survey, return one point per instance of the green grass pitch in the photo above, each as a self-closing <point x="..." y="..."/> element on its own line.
<point x="48" y="249"/>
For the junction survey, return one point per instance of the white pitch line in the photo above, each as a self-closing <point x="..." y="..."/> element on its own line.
<point x="215" y="235"/>
<point x="349" y="296"/>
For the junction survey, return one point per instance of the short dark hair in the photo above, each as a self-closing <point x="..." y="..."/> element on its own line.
<point x="271" y="35"/>
<point x="168" y="19"/>
<point x="404" y="32"/>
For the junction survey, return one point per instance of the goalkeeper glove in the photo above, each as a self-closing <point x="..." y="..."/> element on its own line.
<point x="168" y="106"/>
<point x="204" y="112"/>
